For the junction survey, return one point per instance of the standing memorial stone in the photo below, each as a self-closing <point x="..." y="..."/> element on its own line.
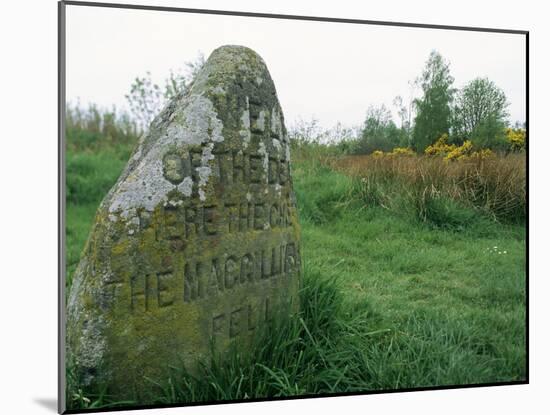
<point x="197" y="242"/>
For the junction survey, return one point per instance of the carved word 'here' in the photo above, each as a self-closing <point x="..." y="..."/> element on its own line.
<point x="183" y="222"/>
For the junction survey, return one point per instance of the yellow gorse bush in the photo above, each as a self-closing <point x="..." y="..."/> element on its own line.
<point x="449" y="152"/>
<point x="516" y="138"/>
<point x="452" y="152"/>
<point x="402" y="151"/>
<point x="461" y="152"/>
<point x="397" y="151"/>
<point x="441" y="147"/>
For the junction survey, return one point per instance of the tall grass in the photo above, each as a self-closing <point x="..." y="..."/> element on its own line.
<point x="387" y="302"/>
<point x="320" y="350"/>
<point x="91" y="129"/>
<point x="437" y="190"/>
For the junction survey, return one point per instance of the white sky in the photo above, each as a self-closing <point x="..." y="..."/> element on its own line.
<point x="330" y="71"/>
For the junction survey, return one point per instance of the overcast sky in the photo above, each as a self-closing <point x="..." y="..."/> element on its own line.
<point x="329" y="71"/>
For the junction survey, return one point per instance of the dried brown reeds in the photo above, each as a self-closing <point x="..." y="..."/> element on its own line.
<point x="495" y="185"/>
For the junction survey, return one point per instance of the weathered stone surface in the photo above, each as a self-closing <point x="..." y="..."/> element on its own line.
<point x="199" y="238"/>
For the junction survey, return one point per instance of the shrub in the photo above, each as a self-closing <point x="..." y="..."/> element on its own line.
<point x="396" y="152"/>
<point x="441" y="147"/>
<point x="444" y="212"/>
<point x="452" y="152"/>
<point x="516" y="138"/>
<point x="460" y="153"/>
<point x="402" y="151"/>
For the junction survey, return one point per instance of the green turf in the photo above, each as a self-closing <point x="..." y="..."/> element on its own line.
<point x="388" y="301"/>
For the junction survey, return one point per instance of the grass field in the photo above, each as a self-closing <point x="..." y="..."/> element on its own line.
<point x="391" y="298"/>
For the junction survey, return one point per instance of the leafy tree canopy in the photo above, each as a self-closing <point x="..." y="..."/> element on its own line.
<point x="379" y="131"/>
<point x="433" y="109"/>
<point x="479" y="114"/>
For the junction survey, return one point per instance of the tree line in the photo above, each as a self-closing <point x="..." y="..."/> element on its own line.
<point x="477" y="113"/>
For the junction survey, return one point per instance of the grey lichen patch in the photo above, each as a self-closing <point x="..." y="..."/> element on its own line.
<point x="137" y="155"/>
<point x="278" y="189"/>
<point x="260" y="124"/>
<point x="245" y="133"/>
<point x="205" y="170"/>
<point x="156" y="174"/>
<point x="195" y="123"/>
<point x="245" y="118"/>
<point x="173" y="203"/>
<point x="73" y="303"/>
<point x="276" y="126"/>
<point x="92" y="342"/>
<point x="218" y="90"/>
<point x="262" y="151"/>
<point x="277" y="145"/>
<point x="132" y="223"/>
<point x="186" y="187"/>
<point x="87" y="344"/>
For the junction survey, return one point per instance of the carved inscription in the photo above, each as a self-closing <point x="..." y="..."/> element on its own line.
<point x="151" y="290"/>
<point x="184" y="222"/>
<point x="241" y="319"/>
<point x="263" y="204"/>
<point x="231" y="166"/>
<point x="204" y="279"/>
<point x="173" y="168"/>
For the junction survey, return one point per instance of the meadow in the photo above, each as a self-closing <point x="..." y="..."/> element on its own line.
<point x="414" y="275"/>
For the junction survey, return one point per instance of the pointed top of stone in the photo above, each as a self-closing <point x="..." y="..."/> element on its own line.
<point x="233" y="64"/>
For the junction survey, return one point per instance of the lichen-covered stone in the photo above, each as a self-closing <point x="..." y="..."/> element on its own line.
<point x="198" y="241"/>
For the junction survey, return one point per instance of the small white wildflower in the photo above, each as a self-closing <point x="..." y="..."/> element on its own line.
<point x="504" y="252"/>
<point x="499" y="252"/>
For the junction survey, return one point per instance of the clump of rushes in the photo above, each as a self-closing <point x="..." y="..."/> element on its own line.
<point x="493" y="186"/>
<point x="319" y="350"/>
